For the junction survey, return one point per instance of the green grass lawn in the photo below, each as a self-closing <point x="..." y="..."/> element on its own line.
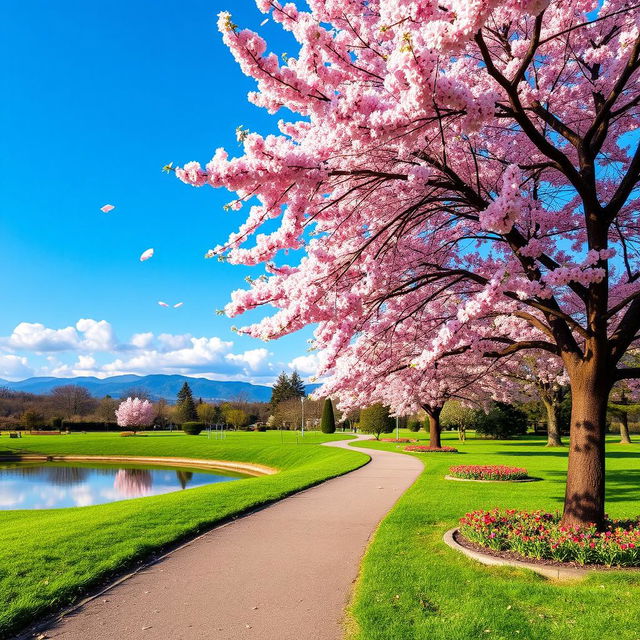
<point x="413" y="587"/>
<point x="49" y="558"/>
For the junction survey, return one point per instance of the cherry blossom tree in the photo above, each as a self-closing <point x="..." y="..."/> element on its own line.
<point x="482" y="149"/>
<point x="135" y="414"/>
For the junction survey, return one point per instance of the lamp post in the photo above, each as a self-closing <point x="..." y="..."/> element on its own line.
<point x="397" y="428"/>
<point x="302" y="406"/>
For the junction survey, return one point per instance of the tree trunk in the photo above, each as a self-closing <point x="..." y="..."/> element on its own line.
<point x="434" y="425"/>
<point x="553" y="428"/>
<point x="584" y="497"/>
<point x="624" y="428"/>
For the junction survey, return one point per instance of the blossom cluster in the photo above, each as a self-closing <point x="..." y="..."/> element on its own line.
<point x="540" y="535"/>
<point x="420" y="448"/>
<point x="488" y="472"/>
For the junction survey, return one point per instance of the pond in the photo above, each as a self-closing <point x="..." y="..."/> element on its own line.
<point x="55" y="485"/>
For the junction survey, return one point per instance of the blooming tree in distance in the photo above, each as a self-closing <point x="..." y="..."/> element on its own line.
<point x="134" y="414"/>
<point x="431" y="148"/>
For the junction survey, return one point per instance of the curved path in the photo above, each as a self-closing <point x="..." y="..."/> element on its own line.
<point x="282" y="573"/>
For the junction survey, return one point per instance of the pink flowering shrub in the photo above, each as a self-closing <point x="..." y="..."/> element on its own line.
<point x="487" y="472"/>
<point x="539" y="535"/>
<point x="421" y="448"/>
<point x="398" y="440"/>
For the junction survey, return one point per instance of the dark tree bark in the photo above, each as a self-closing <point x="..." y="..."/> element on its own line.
<point x="551" y="399"/>
<point x="433" y="413"/>
<point x="585" y="489"/>
<point x="625" y="438"/>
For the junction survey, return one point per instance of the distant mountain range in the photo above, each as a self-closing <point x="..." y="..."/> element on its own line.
<point x="157" y="386"/>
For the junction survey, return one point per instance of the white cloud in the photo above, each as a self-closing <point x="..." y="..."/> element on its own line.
<point x="306" y="365"/>
<point x="173" y="342"/>
<point x="97" y="335"/>
<point x="14" y="367"/>
<point x="91" y="348"/>
<point x="36" y="337"/>
<point x="255" y="359"/>
<point x="142" y="340"/>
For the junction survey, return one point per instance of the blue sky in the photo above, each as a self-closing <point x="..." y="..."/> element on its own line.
<point x="97" y="98"/>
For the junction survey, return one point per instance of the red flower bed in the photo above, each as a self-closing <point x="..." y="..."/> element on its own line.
<point x="397" y="440"/>
<point x="421" y="448"/>
<point x="539" y="535"/>
<point x="487" y="472"/>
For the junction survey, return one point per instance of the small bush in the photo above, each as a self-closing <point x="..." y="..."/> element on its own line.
<point x="539" y="535"/>
<point x="260" y="428"/>
<point x="193" y="428"/>
<point x="503" y="421"/>
<point x="397" y="440"/>
<point x="414" y="425"/>
<point x="56" y="424"/>
<point x="488" y="472"/>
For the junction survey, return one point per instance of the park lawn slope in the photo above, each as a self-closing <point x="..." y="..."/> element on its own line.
<point x="413" y="587"/>
<point x="49" y="558"/>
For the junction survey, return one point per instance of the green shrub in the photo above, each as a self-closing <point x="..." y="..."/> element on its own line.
<point x="503" y="421"/>
<point x="328" y="421"/>
<point x="413" y="424"/>
<point x="56" y="424"/>
<point x="193" y="428"/>
<point x="82" y="425"/>
<point x="375" y="419"/>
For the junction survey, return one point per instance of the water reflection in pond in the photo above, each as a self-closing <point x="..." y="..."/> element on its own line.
<point x="53" y="485"/>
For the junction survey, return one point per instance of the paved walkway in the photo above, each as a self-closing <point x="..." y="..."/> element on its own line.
<point x="282" y="573"/>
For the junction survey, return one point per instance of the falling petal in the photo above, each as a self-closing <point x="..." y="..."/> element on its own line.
<point x="178" y="304"/>
<point x="162" y="304"/>
<point x="146" y="255"/>
<point x="264" y="22"/>
<point x="107" y="208"/>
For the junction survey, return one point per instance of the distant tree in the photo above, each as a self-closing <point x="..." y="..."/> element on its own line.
<point x="376" y="420"/>
<point x="106" y="410"/>
<point x="236" y="417"/>
<point x="134" y="414"/>
<point x="162" y="413"/>
<point x="297" y="385"/>
<point x="282" y="390"/>
<point x="31" y="419"/>
<point x="136" y="392"/>
<point x="72" y="400"/>
<point x="328" y="421"/>
<point x="502" y="421"/>
<point x="185" y="406"/>
<point x="455" y="415"/>
<point x="208" y="413"/>
<point x="622" y="403"/>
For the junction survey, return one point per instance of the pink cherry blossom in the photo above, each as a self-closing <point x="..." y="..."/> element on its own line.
<point x="426" y="167"/>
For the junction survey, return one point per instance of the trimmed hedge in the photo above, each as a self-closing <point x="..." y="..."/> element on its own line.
<point x="71" y="425"/>
<point x="193" y="428"/>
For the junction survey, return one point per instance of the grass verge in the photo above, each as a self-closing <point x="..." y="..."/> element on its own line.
<point x="413" y="587"/>
<point x="49" y="558"/>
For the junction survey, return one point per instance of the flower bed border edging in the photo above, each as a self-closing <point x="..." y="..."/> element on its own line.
<point x="548" y="571"/>
<point x="448" y="477"/>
